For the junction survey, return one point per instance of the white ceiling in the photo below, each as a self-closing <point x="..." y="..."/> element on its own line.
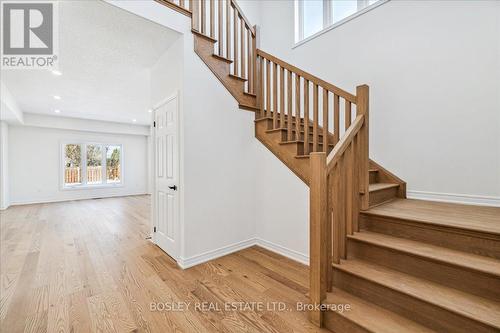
<point x="105" y="54"/>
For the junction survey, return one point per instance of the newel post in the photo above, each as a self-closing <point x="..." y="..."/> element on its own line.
<point x="362" y="101"/>
<point x="318" y="250"/>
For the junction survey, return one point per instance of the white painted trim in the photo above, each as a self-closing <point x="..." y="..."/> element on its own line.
<point x="185" y="263"/>
<point x="455" y="198"/>
<point x="339" y="23"/>
<point x="34" y="202"/>
<point x="5" y="207"/>
<point x="284" y="251"/>
<point x="214" y="254"/>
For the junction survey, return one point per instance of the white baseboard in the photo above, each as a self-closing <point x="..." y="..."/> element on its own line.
<point x="91" y="197"/>
<point x="185" y="263"/>
<point x="214" y="254"/>
<point x="455" y="198"/>
<point x="286" y="252"/>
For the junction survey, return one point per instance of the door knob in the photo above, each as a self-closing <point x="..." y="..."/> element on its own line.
<point x="173" y="188"/>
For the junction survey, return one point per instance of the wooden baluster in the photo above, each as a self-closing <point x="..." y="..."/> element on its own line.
<point x="249" y="62"/>
<point x="181" y="3"/>
<point x="203" y="16"/>
<point x="349" y="207"/>
<point x="195" y="8"/>
<point x="289" y="103"/>
<point x="347" y="110"/>
<point x="318" y="249"/>
<point x="325" y="121"/>
<point x="335" y="202"/>
<point x="235" y="33"/>
<point x="254" y="57"/>
<point x="275" y="95"/>
<point x="362" y="97"/>
<point x="261" y="94"/>
<point x="282" y="97"/>
<point x="220" y="38"/>
<point x="315" y="118"/>
<point x="297" y="107"/>
<point x="242" y="45"/>
<point x="191" y="5"/>
<point x="355" y="183"/>
<point x="268" y="88"/>
<point x="336" y="119"/>
<point x="306" y="117"/>
<point x="212" y="15"/>
<point x="341" y="207"/>
<point x="228" y="29"/>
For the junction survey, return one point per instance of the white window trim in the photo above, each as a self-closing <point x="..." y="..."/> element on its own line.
<point x="299" y="27"/>
<point x="84" y="184"/>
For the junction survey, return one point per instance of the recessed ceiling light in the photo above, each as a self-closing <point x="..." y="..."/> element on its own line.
<point x="150" y="110"/>
<point x="57" y="97"/>
<point x="57" y="111"/>
<point x="134" y="120"/>
<point x="56" y="72"/>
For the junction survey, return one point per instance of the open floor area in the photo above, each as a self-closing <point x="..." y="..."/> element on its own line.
<point x="85" y="266"/>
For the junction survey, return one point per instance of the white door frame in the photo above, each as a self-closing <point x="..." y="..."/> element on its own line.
<point x="177" y="228"/>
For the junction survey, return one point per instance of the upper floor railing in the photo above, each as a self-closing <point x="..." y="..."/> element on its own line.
<point x="288" y="94"/>
<point x="234" y="36"/>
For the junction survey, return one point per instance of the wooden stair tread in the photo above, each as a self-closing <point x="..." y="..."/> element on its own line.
<point x="196" y="32"/>
<point x="302" y="141"/>
<point x="469" y="217"/>
<point x="464" y="304"/>
<point x="229" y="61"/>
<point x="372" y="317"/>
<point x="238" y="77"/>
<point x="248" y="107"/>
<point x="381" y="186"/>
<point x="436" y="253"/>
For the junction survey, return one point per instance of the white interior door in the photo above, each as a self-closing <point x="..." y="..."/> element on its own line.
<point x="166" y="224"/>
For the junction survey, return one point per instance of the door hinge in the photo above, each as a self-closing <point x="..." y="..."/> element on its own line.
<point x="154" y="229"/>
<point x="154" y="123"/>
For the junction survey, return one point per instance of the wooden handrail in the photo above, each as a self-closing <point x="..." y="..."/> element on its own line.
<point x="310" y="111"/>
<point x="314" y="79"/>
<point x="344" y="143"/>
<point x="181" y="7"/>
<point x="242" y="15"/>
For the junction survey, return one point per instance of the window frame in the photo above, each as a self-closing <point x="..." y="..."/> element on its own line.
<point x="83" y="152"/>
<point x="328" y="23"/>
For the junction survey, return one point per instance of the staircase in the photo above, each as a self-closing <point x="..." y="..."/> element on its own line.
<point x="402" y="265"/>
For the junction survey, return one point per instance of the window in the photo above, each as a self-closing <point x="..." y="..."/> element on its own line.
<point x="314" y="16"/>
<point x="102" y="164"/>
<point x="113" y="163"/>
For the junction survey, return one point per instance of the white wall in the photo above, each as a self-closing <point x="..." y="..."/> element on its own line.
<point x="9" y="109"/>
<point x="219" y="163"/>
<point x="4" y="166"/>
<point x="433" y="69"/>
<point x="434" y="73"/>
<point x="35" y="164"/>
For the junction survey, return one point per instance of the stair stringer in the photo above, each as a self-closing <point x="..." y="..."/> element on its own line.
<point x="285" y="153"/>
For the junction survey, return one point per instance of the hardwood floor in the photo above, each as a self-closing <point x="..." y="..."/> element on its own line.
<point x="85" y="266"/>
